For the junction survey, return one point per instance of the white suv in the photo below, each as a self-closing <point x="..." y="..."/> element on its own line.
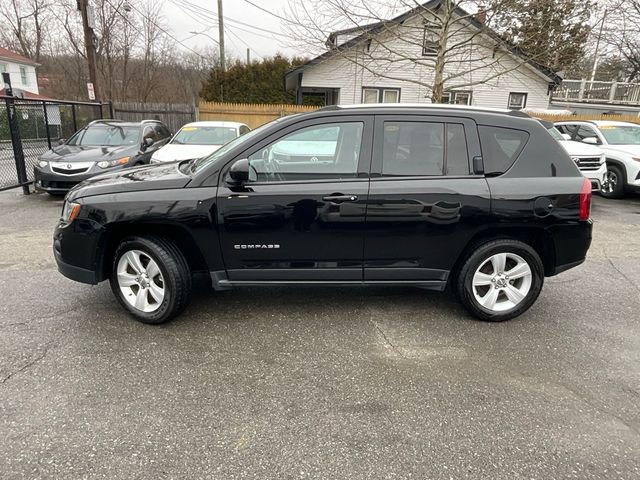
<point x="620" y="142"/>
<point x="589" y="159"/>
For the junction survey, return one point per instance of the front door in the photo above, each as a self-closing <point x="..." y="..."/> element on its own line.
<point x="300" y="217"/>
<point x="425" y="203"/>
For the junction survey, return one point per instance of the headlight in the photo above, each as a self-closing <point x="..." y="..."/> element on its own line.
<point x="43" y="164"/>
<point x="113" y="163"/>
<point x="70" y="211"/>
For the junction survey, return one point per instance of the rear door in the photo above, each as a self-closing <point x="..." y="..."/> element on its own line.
<point x="425" y="203"/>
<point x="301" y="216"/>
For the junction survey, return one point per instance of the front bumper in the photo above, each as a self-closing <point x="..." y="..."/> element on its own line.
<point x="597" y="177"/>
<point x="75" y="249"/>
<point x="47" y="181"/>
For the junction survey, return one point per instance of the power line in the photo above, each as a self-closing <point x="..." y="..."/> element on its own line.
<point x="152" y="21"/>
<point x="267" y="11"/>
<point x="241" y="40"/>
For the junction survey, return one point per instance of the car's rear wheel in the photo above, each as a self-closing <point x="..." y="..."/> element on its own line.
<point x="500" y="280"/>
<point x="614" y="183"/>
<point x="150" y="278"/>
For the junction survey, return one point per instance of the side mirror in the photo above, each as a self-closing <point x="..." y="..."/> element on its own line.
<point x="61" y="141"/>
<point x="239" y="172"/>
<point x="146" y="143"/>
<point x="566" y="136"/>
<point x="591" y="140"/>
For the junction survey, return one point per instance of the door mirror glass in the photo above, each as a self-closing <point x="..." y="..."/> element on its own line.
<point x="591" y="140"/>
<point x="239" y="172"/>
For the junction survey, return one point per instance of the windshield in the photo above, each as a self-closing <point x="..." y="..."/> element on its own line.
<point x="106" y="135"/>
<point x="555" y="133"/>
<point x="204" y="161"/>
<point x="621" y="134"/>
<point x="196" y="135"/>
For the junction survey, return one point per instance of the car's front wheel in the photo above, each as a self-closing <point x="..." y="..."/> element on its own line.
<point x="614" y="183"/>
<point x="150" y="278"/>
<point x="500" y="280"/>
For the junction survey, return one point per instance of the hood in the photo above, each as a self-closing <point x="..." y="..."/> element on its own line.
<point x="147" y="177"/>
<point x="579" y="149"/>
<point x="77" y="153"/>
<point x="173" y="152"/>
<point x="629" y="149"/>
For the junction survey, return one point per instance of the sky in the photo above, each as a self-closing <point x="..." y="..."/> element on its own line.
<point x="183" y="17"/>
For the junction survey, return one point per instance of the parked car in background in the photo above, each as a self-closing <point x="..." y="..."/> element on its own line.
<point x="620" y="142"/>
<point x="101" y="146"/>
<point x="588" y="158"/>
<point x="199" y="139"/>
<point x="484" y="202"/>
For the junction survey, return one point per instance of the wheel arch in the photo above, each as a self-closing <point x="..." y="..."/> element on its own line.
<point x="536" y="237"/>
<point x="618" y="163"/>
<point x="177" y="234"/>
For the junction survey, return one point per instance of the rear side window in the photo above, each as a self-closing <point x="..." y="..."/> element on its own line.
<point x="413" y="149"/>
<point x="501" y="147"/>
<point x="457" y="154"/>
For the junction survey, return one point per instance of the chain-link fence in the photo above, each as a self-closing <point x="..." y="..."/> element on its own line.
<point x="38" y="125"/>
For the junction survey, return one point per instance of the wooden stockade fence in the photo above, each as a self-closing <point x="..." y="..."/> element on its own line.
<point x="251" y="114"/>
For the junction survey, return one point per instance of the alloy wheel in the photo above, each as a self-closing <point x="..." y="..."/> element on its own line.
<point x="140" y="281"/>
<point x="502" y="282"/>
<point x="611" y="181"/>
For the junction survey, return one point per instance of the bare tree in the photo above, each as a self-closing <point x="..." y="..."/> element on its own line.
<point x="23" y="25"/>
<point x="448" y="43"/>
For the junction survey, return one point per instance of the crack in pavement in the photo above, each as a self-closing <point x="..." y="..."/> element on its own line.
<point x="386" y="339"/>
<point x="606" y="255"/>
<point x="26" y="365"/>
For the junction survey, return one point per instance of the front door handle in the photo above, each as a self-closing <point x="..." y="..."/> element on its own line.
<point x="339" y="198"/>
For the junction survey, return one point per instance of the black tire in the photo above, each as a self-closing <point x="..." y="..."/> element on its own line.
<point x="615" y="182"/>
<point x="176" y="277"/>
<point x="476" y="257"/>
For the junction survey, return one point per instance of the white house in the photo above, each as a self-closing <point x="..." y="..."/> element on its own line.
<point x="23" y="73"/>
<point x="393" y="61"/>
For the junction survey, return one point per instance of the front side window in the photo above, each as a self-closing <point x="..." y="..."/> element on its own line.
<point x="105" y="135"/>
<point x="328" y="151"/>
<point x="586" y="132"/>
<point x="23" y="76"/>
<point x="162" y="132"/>
<point x="244" y="129"/>
<point x="413" y="149"/>
<point x="500" y="147"/>
<point x="517" y="101"/>
<point x="197" y="135"/>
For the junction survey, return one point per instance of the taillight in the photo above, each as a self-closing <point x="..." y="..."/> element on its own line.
<point x="585" y="200"/>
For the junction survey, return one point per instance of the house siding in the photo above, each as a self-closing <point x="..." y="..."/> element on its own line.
<point x="13" y="69"/>
<point x="352" y="70"/>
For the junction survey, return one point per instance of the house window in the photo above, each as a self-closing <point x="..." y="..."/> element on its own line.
<point x="3" y="67"/>
<point x="459" y="97"/>
<point x="517" y="101"/>
<point x="429" y="46"/>
<point x="380" y="95"/>
<point x="23" y="76"/>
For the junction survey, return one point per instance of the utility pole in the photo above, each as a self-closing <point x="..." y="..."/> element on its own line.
<point x="248" y="56"/>
<point x="89" y="44"/>
<point x="221" y="36"/>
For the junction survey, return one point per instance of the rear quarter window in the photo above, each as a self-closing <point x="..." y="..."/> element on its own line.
<point x="500" y="147"/>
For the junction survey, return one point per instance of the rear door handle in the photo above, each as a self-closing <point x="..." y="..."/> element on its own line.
<point x="340" y="198"/>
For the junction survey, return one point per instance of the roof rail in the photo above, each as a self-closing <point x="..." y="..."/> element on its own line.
<point x="105" y="120"/>
<point x="149" y="120"/>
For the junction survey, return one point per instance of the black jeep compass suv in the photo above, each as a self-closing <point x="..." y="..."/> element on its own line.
<point x="484" y="202"/>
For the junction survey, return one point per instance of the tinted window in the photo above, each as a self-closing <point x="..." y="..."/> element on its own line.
<point x="584" y="132"/>
<point x="318" y="152"/>
<point x="457" y="154"/>
<point x="412" y="149"/>
<point x="162" y="131"/>
<point x="500" y="147"/>
<point x="199" y="135"/>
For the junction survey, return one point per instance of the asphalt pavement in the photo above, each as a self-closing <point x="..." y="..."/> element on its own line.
<point x="318" y="382"/>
